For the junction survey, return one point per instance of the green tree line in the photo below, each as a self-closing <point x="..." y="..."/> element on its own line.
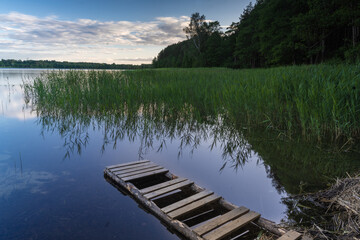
<point x="11" y="63"/>
<point x="271" y="33"/>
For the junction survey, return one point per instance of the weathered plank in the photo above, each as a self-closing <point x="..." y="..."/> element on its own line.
<point x="151" y="206"/>
<point x="130" y="167"/>
<point x="168" y="189"/>
<point x="216" y="228"/>
<point x="162" y="185"/>
<point x="220" y="220"/>
<point x="262" y="222"/>
<point x="127" y="164"/>
<point x="122" y="175"/>
<point x="231" y="226"/>
<point x="193" y="206"/>
<point x="133" y="168"/>
<point x="144" y="175"/>
<point x="186" y="201"/>
<point x="290" y="235"/>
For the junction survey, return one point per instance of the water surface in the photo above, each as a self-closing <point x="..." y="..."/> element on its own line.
<point x="51" y="167"/>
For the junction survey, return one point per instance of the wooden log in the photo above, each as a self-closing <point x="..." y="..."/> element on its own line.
<point x="170" y="175"/>
<point x="179" y="226"/>
<point x="270" y="226"/>
<point x="290" y="235"/>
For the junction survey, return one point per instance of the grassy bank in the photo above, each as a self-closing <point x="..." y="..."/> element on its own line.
<point x="320" y="102"/>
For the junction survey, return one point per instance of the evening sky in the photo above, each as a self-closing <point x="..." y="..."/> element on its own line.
<point x="101" y="31"/>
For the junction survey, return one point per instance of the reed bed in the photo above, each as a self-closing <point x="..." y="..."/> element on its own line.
<point x="333" y="213"/>
<point x="319" y="102"/>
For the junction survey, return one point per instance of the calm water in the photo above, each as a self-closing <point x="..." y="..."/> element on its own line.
<point x="51" y="169"/>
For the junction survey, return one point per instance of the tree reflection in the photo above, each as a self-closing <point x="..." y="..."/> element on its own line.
<point x="150" y="124"/>
<point x="294" y="166"/>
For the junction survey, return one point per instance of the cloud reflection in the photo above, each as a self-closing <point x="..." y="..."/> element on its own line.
<point x="12" y="103"/>
<point x="33" y="181"/>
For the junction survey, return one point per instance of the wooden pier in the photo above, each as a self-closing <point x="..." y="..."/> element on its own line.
<point x="193" y="211"/>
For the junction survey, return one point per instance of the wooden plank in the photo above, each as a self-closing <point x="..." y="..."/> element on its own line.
<point x="232" y="226"/>
<point x="127" y="164"/>
<point x="186" y="201"/>
<point x="133" y="168"/>
<point x="129" y="167"/>
<point x="145" y="174"/>
<point x="152" y="207"/>
<point x="193" y="206"/>
<point x="290" y="235"/>
<point x="168" y="189"/>
<point x="221" y="220"/>
<point x="122" y="175"/>
<point x="162" y="185"/>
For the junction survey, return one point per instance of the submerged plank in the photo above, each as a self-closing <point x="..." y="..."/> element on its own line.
<point x="221" y="220"/>
<point x="162" y="185"/>
<point x="290" y="235"/>
<point x="127" y="164"/>
<point x="122" y="175"/>
<point x="193" y="206"/>
<point x="168" y="189"/>
<point x="186" y="201"/>
<point x="232" y="226"/>
<point x="144" y="175"/>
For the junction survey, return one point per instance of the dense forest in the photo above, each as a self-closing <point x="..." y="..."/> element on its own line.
<point x="11" y="63"/>
<point x="271" y="33"/>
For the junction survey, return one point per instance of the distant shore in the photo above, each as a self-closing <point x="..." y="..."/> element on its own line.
<point x="52" y="64"/>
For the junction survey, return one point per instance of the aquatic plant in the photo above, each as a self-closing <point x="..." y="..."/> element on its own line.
<point x="320" y="102"/>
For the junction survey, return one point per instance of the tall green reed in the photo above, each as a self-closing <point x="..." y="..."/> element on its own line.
<point x="320" y="102"/>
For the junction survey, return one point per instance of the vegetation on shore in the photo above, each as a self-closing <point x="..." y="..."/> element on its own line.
<point x="271" y="33"/>
<point x="11" y="63"/>
<point x="319" y="102"/>
<point x="333" y="213"/>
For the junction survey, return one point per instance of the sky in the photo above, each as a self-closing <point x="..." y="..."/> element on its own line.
<point x="110" y="31"/>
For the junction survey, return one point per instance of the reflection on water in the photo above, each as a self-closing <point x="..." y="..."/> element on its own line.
<point x="152" y="128"/>
<point x="63" y="186"/>
<point x="293" y="165"/>
<point x="11" y="93"/>
<point x="31" y="181"/>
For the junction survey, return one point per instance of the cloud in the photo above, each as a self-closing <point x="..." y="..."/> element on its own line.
<point x="23" y="34"/>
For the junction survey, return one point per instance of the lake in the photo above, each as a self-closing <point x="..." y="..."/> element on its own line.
<point x="51" y="168"/>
